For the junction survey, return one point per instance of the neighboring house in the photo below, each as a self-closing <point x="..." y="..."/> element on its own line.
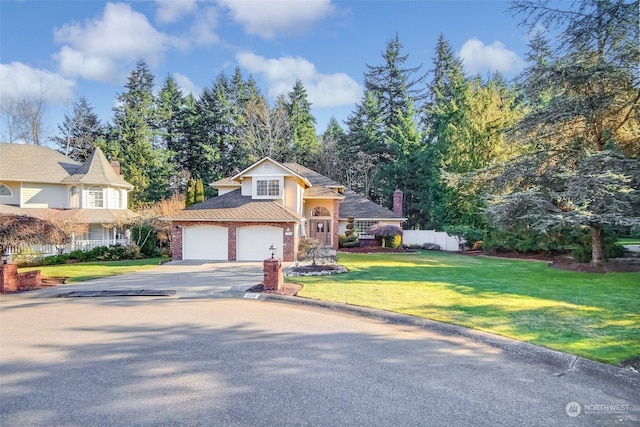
<point x="90" y="196"/>
<point x="272" y="203"/>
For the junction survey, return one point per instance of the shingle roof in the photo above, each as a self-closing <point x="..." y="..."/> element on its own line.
<point x="360" y="207"/>
<point x="321" y="193"/>
<point x="233" y="206"/>
<point x="98" y="170"/>
<point x="312" y="176"/>
<point x="226" y="182"/>
<point x="85" y="216"/>
<point x="21" y="162"/>
<point x="31" y="163"/>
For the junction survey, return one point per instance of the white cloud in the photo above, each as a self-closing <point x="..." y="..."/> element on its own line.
<point x="202" y="31"/>
<point x="480" y="58"/>
<point x="21" y="81"/>
<point x="170" y="11"/>
<point x="270" y="18"/>
<point x="101" y="48"/>
<point x="187" y="86"/>
<point x="323" y="90"/>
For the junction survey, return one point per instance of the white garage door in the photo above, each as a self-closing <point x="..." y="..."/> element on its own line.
<point x="206" y="242"/>
<point x="253" y="242"/>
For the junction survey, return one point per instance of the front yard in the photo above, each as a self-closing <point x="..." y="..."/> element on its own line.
<point x="596" y="316"/>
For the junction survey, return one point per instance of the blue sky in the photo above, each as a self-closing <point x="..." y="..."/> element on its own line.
<point x="69" y="49"/>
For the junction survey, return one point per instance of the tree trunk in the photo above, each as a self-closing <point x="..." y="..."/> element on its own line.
<point x="597" y="247"/>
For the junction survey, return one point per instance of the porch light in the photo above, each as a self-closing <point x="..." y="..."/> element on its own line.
<point x="273" y="250"/>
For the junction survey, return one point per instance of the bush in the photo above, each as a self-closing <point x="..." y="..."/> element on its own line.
<point x="345" y="241"/>
<point x="392" y="242"/>
<point x="583" y="249"/>
<point x="634" y="232"/>
<point x="144" y="236"/>
<point x="528" y="241"/>
<point x="467" y="236"/>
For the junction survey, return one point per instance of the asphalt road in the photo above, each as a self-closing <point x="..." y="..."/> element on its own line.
<point x="233" y="361"/>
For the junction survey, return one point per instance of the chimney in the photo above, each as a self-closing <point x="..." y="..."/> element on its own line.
<point x="397" y="202"/>
<point x="116" y="167"/>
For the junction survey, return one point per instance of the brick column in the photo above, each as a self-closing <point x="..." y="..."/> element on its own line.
<point x="8" y="278"/>
<point x="273" y="274"/>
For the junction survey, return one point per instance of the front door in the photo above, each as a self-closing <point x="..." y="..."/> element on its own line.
<point x="321" y="231"/>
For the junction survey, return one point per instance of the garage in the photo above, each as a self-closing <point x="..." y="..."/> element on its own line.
<point x="205" y="242"/>
<point x="253" y="242"/>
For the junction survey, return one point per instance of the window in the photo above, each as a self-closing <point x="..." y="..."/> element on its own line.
<point x="361" y="228"/>
<point x="96" y="197"/>
<point x="115" y="202"/>
<point x="74" y="197"/>
<point x="5" y="191"/>
<point x="320" y="211"/>
<point x="268" y="187"/>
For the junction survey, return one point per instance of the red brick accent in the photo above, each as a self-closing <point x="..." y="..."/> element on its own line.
<point x="273" y="275"/>
<point x="232" y="227"/>
<point x="8" y="278"/>
<point x="11" y="280"/>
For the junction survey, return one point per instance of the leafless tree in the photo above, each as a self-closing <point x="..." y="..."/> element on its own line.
<point x="23" y="118"/>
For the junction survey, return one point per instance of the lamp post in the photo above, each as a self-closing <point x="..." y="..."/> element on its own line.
<point x="273" y="250"/>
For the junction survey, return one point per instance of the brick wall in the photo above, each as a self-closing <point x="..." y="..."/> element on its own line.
<point x="336" y="221"/>
<point x="232" y="227"/>
<point x="11" y="280"/>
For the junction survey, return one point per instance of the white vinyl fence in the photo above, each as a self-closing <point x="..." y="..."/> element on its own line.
<point x="47" y="250"/>
<point x="440" y="238"/>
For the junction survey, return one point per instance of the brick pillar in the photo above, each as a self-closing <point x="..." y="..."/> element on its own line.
<point x="176" y="242"/>
<point x="273" y="274"/>
<point x="8" y="278"/>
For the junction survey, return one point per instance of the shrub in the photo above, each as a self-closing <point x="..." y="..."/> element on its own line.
<point x="144" y="236"/>
<point x="583" y="249"/>
<point x="634" y="231"/>
<point x="465" y="234"/>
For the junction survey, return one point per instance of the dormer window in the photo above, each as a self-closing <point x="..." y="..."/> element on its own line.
<point x="268" y="188"/>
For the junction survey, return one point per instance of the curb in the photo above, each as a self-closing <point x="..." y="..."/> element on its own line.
<point x="564" y="362"/>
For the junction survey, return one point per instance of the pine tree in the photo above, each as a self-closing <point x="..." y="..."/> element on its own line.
<point x="135" y="141"/>
<point x="303" y="130"/>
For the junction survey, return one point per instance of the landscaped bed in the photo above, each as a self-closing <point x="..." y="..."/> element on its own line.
<point x="591" y="315"/>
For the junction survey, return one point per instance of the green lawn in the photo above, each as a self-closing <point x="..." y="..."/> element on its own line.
<point x="591" y="315"/>
<point x="93" y="270"/>
<point x="628" y="241"/>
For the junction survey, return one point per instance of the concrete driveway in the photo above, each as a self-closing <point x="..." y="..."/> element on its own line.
<point x="243" y="362"/>
<point x="189" y="279"/>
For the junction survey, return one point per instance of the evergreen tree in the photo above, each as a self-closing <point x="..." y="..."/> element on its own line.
<point x="302" y="125"/>
<point x="581" y="167"/>
<point x="394" y="84"/>
<point x="198" y="195"/>
<point x="135" y="139"/>
<point x="170" y="103"/>
<point x="79" y="132"/>
<point x="190" y="193"/>
<point x="361" y="154"/>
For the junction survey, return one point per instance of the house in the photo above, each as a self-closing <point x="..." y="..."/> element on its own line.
<point x="272" y="204"/>
<point x="90" y="198"/>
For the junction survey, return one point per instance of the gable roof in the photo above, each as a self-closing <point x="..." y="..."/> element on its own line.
<point x="31" y="163"/>
<point x="233" y="206"/>
<point x="362" y="208"/>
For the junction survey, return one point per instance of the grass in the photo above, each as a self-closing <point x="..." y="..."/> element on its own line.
<point x="596" y="316"/>
<point x="93" y="270"/>
<point x="629" y="241"/>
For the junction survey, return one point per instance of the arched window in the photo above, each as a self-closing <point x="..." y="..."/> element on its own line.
<point x="320" y="211"/>
<point x="74" y="197"/>
<point x="5" y="191"/>
<point x="96" y="197"/>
